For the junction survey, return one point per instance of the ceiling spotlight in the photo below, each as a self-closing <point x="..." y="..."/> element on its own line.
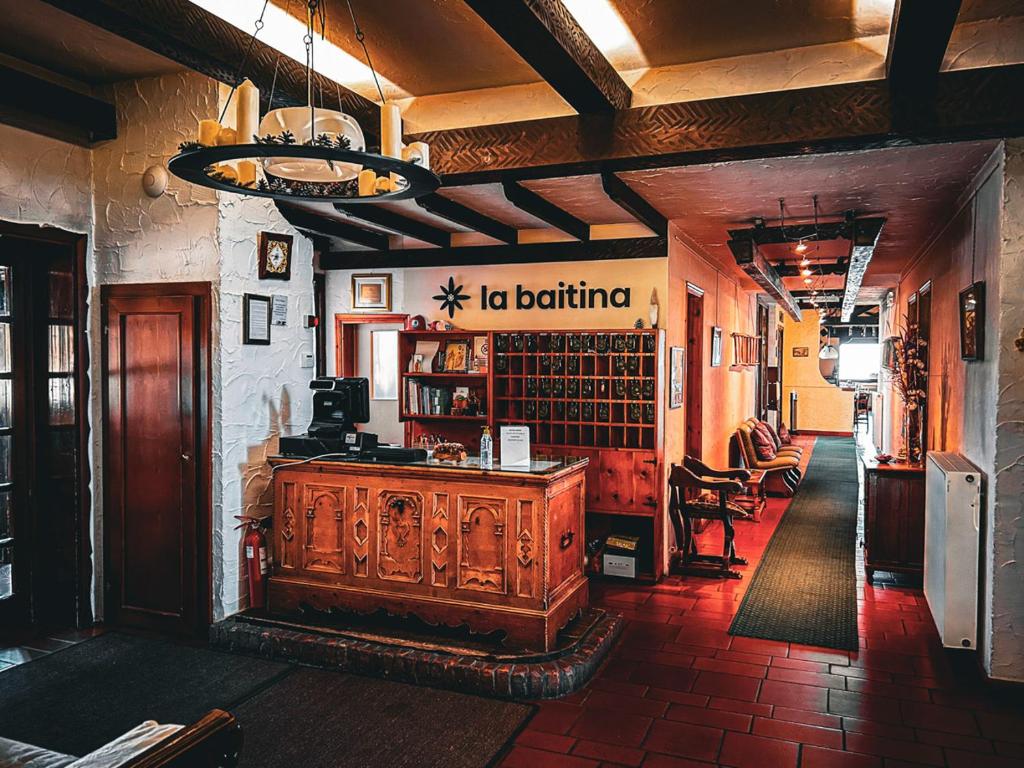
<point x="805" y="262"/>
<point x="807" y="281"/>
<point x="806" y="272"/>
<point x="814" y="292"/>
<point x="801" y="247"/>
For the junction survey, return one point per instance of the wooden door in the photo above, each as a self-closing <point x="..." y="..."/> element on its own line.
<point x="694" y="399"/>
<point x="156" y="446"/>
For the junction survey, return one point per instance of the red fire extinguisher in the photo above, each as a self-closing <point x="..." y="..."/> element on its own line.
<point x="257" y="558"/>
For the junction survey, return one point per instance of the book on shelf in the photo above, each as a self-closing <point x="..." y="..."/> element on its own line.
<point x="424" y="400"/>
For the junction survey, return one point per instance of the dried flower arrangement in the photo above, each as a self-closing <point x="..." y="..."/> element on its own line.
<point x="910" y="380"/>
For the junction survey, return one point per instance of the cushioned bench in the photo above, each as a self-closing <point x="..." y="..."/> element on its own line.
<point x="761" y="447"/>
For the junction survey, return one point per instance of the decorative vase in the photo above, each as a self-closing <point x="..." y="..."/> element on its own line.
<point x="912" y="438"/>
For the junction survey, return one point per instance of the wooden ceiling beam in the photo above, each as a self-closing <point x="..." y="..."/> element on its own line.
<point x="761" y="272"/>
<point x="550" y="40"/>
<point x="865" y="238"/>
<point x="486" y="255"/>
<point x="969" y="104"/>
<point x="918" y="38"/>
<point x="446" y="208"/>
<point x="633" y="203"/>
<point x="403" y="225"/>
<point x="543" y="209"/>
<point x="42" y="106"/>
<point x="324" y="226"/>
<point x="199" y="40"/>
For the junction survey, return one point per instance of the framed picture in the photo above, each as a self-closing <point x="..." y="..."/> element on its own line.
<point x="275" y="256"/>
<point x="801" y="352"/>
<point x="457" y="356"/>
<point x="972" y="322"/>
<point x="371" y="293"/>
<point x="255" y="319"/>
<point x="677" y="359"/>
<point x="716" y="346"/>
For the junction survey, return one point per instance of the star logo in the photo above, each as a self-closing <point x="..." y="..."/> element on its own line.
<point x="451" y="297"/>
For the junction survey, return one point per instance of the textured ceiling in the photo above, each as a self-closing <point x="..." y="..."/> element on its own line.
<point x="682" y="31"/>
<point x="425" y="46"/>
<point x="38" y="33"/>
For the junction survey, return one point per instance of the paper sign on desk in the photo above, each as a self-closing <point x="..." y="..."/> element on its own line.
<point x="515" y="446"/>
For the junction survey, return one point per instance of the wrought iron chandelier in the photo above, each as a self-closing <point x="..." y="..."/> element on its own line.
<point x="306" y="153"/>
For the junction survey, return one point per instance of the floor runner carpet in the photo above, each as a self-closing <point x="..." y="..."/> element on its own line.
<point x="805" y="588"/>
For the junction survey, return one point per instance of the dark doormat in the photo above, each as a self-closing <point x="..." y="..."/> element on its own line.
<point x="78" y="699"/>
<point x="321" y="719"/>
<point x="805" y="588"/>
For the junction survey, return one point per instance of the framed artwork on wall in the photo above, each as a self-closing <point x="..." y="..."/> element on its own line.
<point x="972" y="322"/>
<point x="801" y="352"/>
<point x="255" y="319"/>
<point x="275" y="256"/>
<point x="677" y="359"/>
<point x="716" y="346"/>
<point x="371" y="293"/>
<point x="457" y="356"/>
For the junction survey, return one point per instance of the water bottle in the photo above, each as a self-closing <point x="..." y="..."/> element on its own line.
<point x="486" y="449"/>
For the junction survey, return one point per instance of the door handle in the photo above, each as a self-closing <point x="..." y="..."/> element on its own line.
<point x="650" y="461"/>
<point x="186" y="457"/>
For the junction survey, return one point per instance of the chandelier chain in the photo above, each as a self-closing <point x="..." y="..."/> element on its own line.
<point x="245" y="59"/>
<point x="361" y="38"/>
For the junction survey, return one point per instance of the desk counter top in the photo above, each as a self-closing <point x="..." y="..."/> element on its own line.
<point x="540" y="470"/>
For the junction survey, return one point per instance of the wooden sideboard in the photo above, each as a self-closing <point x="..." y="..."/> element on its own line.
<point x="493" y="550"/>
<point x="893" y="517"/>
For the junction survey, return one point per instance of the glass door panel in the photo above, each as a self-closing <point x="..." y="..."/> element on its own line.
<point x="7" y="525"/>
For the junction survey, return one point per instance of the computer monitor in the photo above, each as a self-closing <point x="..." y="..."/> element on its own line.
<point x="339" y="403"/>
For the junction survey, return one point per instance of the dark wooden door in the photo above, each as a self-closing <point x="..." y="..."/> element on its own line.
<point x="694" y="401"/>
<point x="156" y="465"/>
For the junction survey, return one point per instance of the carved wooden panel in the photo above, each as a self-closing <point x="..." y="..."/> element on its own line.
<point x="482" y="543"/>
<point x="360" y="531"/>
<point x="439" y="541"/>
<point x="323" y="547"/>
<point x="526" y="549"/>
<point x="286" y="525"/>
<point x="400" y="543"/>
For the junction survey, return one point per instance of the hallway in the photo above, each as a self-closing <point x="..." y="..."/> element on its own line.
<point x="678" y="690"/>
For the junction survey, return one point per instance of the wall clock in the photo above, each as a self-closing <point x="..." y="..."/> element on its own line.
<point x="275" y="256"/>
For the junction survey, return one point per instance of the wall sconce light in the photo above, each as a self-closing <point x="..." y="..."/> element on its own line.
<point x="154" y="180"/>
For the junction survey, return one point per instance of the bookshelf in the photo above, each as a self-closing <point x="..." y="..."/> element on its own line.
<point x="592" y="393"/>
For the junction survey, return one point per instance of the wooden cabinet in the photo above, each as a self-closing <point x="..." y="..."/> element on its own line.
<point x="492" y="550"/>
<point x="893" y="518"/>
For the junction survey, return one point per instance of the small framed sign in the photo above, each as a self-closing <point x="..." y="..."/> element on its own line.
<point x="457" y="356"/>
<point x="275" y="256"/>
<point x="371" y="293"/>
<point x="801" y="352"/>
<point x="972" y="322"/>
<point x="255" y="319"/>
<point x="675" y="387"/>
<point x="716" y="346"/>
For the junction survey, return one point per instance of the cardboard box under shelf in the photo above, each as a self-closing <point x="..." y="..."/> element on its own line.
<point x="620" y="556"/>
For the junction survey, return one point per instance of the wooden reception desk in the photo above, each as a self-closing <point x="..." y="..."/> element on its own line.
<point x="453" y="545"/>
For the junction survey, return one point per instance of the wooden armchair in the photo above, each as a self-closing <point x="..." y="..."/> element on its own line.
<point x="690" y="513"/>
<point x="213" y="741"/>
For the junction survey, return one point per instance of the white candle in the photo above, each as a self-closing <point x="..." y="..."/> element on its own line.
<point x="208" y="130"/>
<point x="391" y="131"/>
<point x="367" y="182"/>
<point x="418" y="152"/>
<point x="247" y="112"/>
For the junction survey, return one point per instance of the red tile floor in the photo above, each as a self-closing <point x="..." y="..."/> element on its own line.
<point x="679" y="690"/>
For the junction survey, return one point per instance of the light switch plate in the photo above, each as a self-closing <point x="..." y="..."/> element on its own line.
<point x="307" y="360"/>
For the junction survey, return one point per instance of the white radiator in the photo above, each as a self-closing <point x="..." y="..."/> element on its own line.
<point x="951" y="540"/>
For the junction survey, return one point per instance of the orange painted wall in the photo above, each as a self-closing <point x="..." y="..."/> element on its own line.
<point x="728" y="391"/>
<point x="820" y="405"/>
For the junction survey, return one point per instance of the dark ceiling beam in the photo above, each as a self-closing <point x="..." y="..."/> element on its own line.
<point x="918" y="37"/>
<point x="324" y="226"/>
<point x="543" y="209"/>
<point x="199" y="40"/>
<point x="865" y="238"/>
<point x="633" y="203"/>
<point x="594" y="250"/>
<point x="791" y="233"/>
<point x="761" y="272"/>
<point x="550" y="40"/>
<point x="41" y="106"/>
<point x="793" y="270"/>
<point x="446" y="208"/>
<point x="969" y="104"/>
<point x="396" y="222"/>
